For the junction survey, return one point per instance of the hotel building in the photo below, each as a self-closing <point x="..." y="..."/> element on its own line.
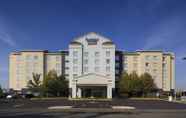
<point x="92" y="66"/>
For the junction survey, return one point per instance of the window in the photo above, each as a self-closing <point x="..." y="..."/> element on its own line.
<point x="107" y="53"/>
<point x="155" y="58"/>
<point x="28" y="57"/>
<point x="75" y="53"/>
<point x="57" y="58"/>
<point x="107" y="74"/>
<point x="135" y="65"/>
<point x="154" y="77"/>
<point x="57" y="65"/>
<point x="35" y="57"/>
<point x="66" y="68"/>
<point x="85" y="61"/>
<point x="18" y="58"/>
<point x="74" y="75"/>
<point x="117" y="65"/>
<point x="147" y="57"/>
<point x="125" y="58"/>
<point x="35" y="65"/>
<point x="85" y="69"/>
<point x="75" y="61"/>
<point x="96" y="69"/>
<point x="85" y="54"/>
<point x="92" y="41"/>
<point x="125" y="65"/>
<point x="135" y="58"/>
<point x="117" y="57"/>
<point x="75" y="68"/>
<point x="154" y="71"/>
<point x="96" y="54"/>
<point x="58" y="71"/>
<point x="97" y="61"/>
<point x="107" y="61"/>
<point x="66" y="75"/>
<point x="108" y="69"/>
<point x="117" y="71"/>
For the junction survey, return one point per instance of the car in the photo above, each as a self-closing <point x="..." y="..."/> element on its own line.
<point x="9" y="96"/>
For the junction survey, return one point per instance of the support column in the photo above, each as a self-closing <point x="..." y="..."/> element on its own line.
<point x="74" y="91"/>
<point x="109" y="92"/>
<point x="79" y="92"/>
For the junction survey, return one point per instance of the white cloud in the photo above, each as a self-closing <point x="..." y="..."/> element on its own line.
<point x="165" y="33"/>
<point x="6" y="38"/>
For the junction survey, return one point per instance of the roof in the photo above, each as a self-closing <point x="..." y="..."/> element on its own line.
<point x="34" y="51"/>
<point x="149" y="51"/>
<point x="90" y="33"/>
<point x="130" y="53"/>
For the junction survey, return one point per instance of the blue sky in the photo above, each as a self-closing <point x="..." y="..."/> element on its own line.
<point x="132" y="24"/>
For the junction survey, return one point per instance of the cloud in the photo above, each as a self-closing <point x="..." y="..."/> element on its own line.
<point x="6" y="38"/>
<point x="163" y="35"/>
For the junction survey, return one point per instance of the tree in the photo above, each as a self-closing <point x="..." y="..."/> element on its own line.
<point x="55" y="85"/>
<point x="1" y="92"/>
<point x="35" y="84"/>
<point x="147" y="83"/>
<point x="133" y="85"/>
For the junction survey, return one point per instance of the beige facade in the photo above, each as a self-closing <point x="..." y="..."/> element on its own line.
<point x="23" y="64"/>
<point x="92" y="56"/>
<point x="158" y="64"/>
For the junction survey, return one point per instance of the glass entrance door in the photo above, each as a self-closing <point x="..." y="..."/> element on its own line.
<point x="96" y="92"/>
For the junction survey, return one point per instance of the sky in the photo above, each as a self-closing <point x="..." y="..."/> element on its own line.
<point x="131" y="24"/>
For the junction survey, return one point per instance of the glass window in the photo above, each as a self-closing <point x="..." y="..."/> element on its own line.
<point x="28" y="57"/>
<point x="107" y="61"/>
<point x="97" y="61"/>
<point x="108" y="69"/>
<point x="117" y="71"/>
<point x="85" y="69"/>
<point x="96" y="69"/>
<point x="74" y="75"/>
<point x="18" y="58"/>
<point x="117" y="57"/>
<point x="35" y="57"/>
<point x="75" y="61"/>
<point x="75" y="68"/>
<point x="85" y="54"/>
<point x="57" y="58"/>
<point x="107" y="53"/>
<point x="57" y="65"/>
<point x="155" y="57"/>
<point x="96" y="54"/>
<point x="125" y="58"/>
<point x="117" y="65"/>
<point x="75" y="53"/>
<point x="147" y="57"/>
<point x="85" y="61"/>
<point x="155" y="70"/>
<point x="135" y="65"/>
<point x="125" y="65"/>
<point x="135" y="58"/>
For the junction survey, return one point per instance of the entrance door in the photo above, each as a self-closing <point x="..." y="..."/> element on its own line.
<point x="97" y="92"/>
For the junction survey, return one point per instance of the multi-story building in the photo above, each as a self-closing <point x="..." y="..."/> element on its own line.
<point x="91" y="64"/>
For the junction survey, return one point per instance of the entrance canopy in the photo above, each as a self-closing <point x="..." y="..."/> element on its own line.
<point x="93" y="79"/>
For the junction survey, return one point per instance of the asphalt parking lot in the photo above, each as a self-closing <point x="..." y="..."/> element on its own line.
<point x="39" y="109"/>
